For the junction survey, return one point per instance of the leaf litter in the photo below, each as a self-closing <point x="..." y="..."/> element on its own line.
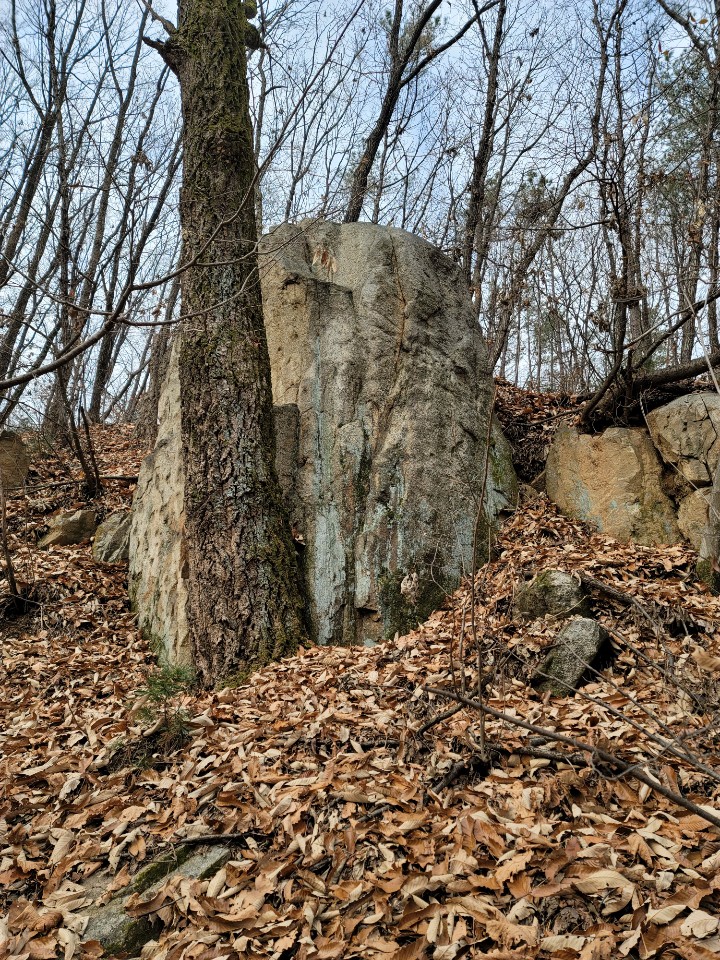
<point x="353" y="834"/>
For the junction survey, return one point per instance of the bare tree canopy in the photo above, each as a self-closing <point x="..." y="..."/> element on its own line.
<point x="566" y="156"/>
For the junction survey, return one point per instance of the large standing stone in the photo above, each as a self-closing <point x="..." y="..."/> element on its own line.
<point x="614" y="482"/>
<point x="68" y="528"/>
<point x="14" y="460"/>
<point x="687" y="434"/>
<point x="372" y="336"/>
<point x="377" y="355"/>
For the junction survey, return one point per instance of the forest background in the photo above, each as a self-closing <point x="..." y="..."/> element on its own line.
<point x="565" y="155"/>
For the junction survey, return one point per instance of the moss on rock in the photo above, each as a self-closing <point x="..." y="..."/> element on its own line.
<point x="401" y="613"/>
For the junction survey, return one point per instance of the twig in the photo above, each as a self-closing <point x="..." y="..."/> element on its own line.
<point x="429" y="724"/>
<point x="376" y="812"/>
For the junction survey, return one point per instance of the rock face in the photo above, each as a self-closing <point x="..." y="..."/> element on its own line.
<point x="112" y="538"/>
<point x="156" y="578"/>
<point x="613" y="481"/>
<point x="693" y="516"/>
<point x="372" y="337"/>
<point x="551" y="592"/>
<point x="14" y="460"/>
<point x="380" y="369"/>
<point x="687" y="434"/>
<point x="68" y="528"/>
<point x="576" y="646"/>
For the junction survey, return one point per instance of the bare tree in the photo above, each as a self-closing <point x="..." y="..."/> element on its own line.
<point x="410" y="51"/>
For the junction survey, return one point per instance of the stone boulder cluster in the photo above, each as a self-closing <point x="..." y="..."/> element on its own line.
<point x="383" y="414"/>
<point x="649" y="486"/>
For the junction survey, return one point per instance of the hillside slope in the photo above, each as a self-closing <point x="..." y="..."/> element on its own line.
<point x="355" y="826"/>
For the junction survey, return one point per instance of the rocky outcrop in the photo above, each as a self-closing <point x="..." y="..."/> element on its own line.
<point x="379" y="365"/>
<point x="68" y="528"/>
<point x="551" y="592"/>
<point x="575" y="650"/>
<point x="14" y="460"/>
<point x="614" y="482"/>
<point x="112" y="538"/>
<point x="687" y="434"/>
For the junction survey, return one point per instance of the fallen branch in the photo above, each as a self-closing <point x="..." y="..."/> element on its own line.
<point x="598" y="753"/>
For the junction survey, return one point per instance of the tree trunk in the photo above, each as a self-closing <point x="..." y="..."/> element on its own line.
<point x="244" y="606"/>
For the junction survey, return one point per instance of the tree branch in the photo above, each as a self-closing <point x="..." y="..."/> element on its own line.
<point x="607" y="758"/>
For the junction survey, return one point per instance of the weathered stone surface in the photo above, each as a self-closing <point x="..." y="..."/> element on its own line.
<point x="380" y="368"/>
<point x="119" y="933"/>
<point x="708" y="565"/>
<point x="687" y="434"/>
<point x="551" y="592"/>
<point x="614" y="482"/>
<point x="576" y="647"/>
<point x="693" y="516"/>
<point x="112" y="538"/>
<point x="372" y="337"/>
<point x="156" y="576"/>
<point x="67" y="528"/>
<point x="14" y="460"/>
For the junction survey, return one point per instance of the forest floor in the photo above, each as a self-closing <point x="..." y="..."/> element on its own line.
<point x="358" y="827"/>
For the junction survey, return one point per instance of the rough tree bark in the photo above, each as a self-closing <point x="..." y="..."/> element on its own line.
<point x="244" y="605"/>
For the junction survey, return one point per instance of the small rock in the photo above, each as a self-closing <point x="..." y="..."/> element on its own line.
<point x="14" y="460"/>
<point x="576" y="647"/>
<point x="119" y="933"/>
<point x="66" y="528"/>
<point x="551" y="591"/>
<point x="528" y="492"/>
<point x="112" y="538"/>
